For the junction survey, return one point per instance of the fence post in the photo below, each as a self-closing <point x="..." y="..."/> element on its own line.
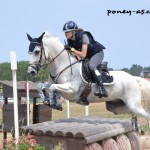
<point x="68" y="109"/>
<point x="86" y="110"/>
<point x="14" y="68"/>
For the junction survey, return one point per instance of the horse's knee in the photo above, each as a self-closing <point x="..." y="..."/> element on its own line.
<point x="52" y="88"/>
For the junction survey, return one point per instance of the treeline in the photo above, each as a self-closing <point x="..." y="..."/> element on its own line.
<point x="22" y="75"/>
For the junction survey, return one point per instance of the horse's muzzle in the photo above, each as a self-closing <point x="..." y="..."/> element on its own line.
<point x="33" y="70"/>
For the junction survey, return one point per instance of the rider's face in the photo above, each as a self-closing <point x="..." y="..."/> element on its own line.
<point x="68" y="34"/>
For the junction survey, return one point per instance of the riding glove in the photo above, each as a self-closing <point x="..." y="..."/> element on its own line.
<point x="67" y="47"/>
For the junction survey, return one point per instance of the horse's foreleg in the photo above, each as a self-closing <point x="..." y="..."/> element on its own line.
<point x="62" y="88"/>
<point x="42" y="90"/>
<point x="53" y="102"/>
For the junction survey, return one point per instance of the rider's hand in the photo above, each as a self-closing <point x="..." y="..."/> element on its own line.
<point x="67" y="47"/>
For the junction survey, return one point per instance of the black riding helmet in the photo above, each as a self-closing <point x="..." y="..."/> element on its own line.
<point x="70" y="26"/>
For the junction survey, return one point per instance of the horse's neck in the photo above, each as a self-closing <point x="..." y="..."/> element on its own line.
<point x="58" y="60"/>
<point x="61" y="62"/>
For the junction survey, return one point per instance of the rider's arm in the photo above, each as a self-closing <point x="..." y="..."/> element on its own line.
<point x="83" y="52"/>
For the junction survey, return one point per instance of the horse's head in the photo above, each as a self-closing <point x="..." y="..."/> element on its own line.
<point x="35" y="54"/>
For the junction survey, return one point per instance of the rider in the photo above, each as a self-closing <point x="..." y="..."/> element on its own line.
<point x="81" y="43"/>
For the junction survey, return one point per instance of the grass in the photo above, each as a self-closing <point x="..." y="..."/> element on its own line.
<point x="95" y="109"/>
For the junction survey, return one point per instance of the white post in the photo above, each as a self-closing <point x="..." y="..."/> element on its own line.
<point x="86" y="110"/>
<point x="68" y="109"/>
<point x="28" y="111"/>
<point x="14" y="68"/>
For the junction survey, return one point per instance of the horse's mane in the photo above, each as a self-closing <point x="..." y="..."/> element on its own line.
<point x="48" y="37"/>
<point x="54" y="43"/>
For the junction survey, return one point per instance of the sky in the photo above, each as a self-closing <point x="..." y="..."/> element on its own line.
<point x="126" y="36"/>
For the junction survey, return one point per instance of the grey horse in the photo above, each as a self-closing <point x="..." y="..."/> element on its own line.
<point x="69" y="83"/>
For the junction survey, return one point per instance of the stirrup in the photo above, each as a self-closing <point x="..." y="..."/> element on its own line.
<point x="101" y="93"/>
<point x="104" y="93"/>
<point x="98" y="92"/>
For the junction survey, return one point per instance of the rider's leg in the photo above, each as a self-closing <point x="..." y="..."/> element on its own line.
<point x="94" y="62"/>
<point x="98" y="78"/>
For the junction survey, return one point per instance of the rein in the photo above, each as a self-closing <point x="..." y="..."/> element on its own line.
<point x="53" y="59"/>
<point x="56" y="76"/>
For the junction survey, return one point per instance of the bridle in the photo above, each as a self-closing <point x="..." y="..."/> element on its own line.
<point x="39" y="64"/>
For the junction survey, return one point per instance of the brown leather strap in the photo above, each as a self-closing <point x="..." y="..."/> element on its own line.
<point x="86" y="92"/>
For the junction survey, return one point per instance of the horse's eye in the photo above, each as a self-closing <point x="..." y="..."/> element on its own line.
<point x="36" y="52"/>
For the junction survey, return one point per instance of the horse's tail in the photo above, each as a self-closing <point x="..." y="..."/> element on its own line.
<point x="145" y="92"/>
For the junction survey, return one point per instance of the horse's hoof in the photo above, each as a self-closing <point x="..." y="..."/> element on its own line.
<point x="56" y="106"/>
<point x="59" y="107"/>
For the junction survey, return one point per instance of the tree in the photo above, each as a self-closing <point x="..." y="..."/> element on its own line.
<point x="5" y="71"/>
<point x="135" y="70"/>
<point x="126" y="70"/>
<point x="43" y="75"/>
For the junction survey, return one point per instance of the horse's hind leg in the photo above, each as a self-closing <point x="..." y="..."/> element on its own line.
<point x="138" y="109"/>
<point x="135" y="123"/>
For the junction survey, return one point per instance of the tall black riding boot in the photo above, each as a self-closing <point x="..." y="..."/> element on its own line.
<point x="101" y="90"/>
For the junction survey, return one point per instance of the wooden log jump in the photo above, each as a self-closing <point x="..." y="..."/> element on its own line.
<point x="76" y="133"/>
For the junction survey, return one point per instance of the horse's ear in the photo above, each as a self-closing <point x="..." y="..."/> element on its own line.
<point x="41" y="37"/>
<point x="29" y="37"/>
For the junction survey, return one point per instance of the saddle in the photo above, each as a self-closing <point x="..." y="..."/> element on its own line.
<point x="103" y="69"/>
<point x="87" y="76"/>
